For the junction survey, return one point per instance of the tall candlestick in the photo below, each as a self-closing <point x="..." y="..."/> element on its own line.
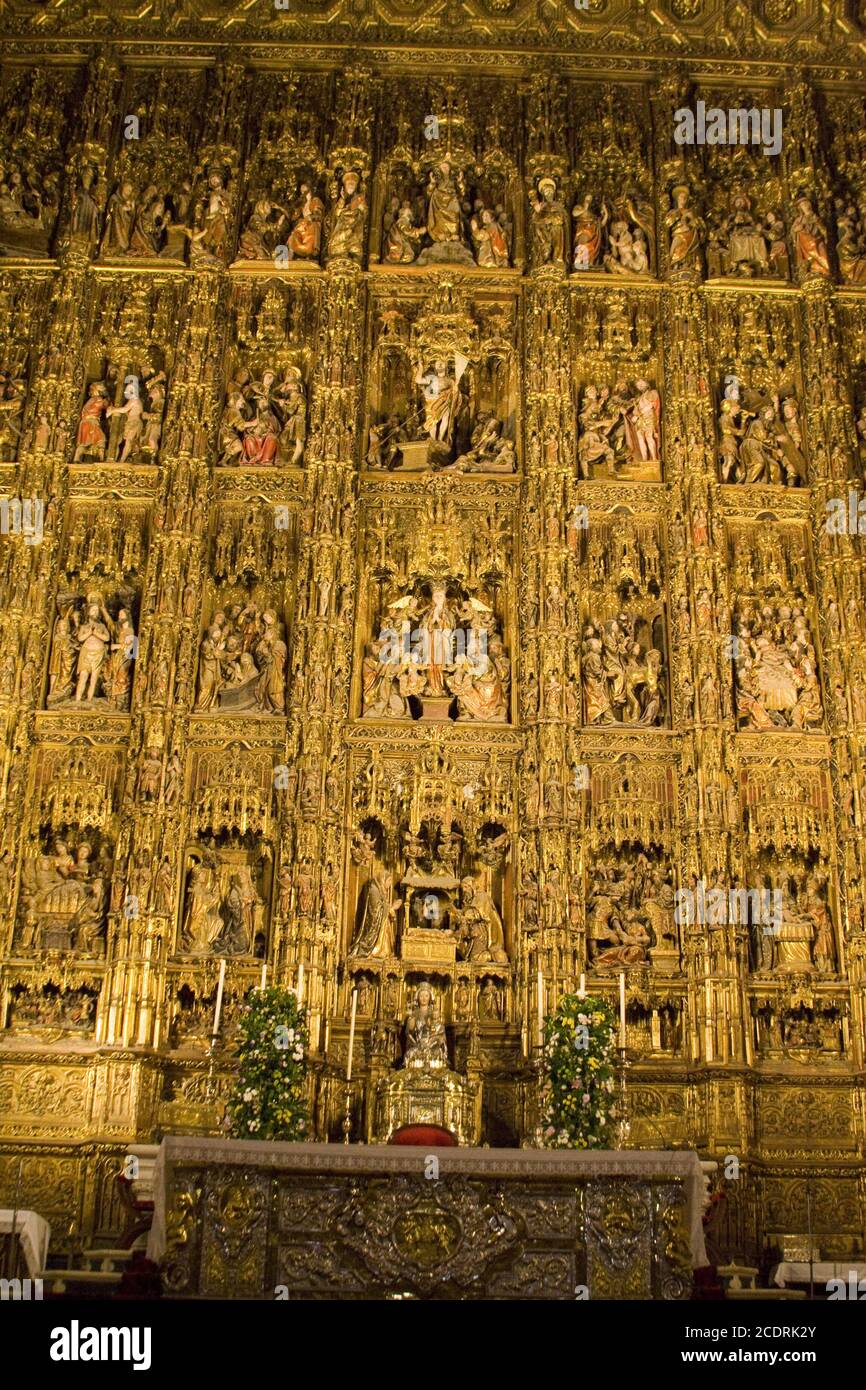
<point x="622" y="1010"/>
<point x="708" y="1025"/>
<point x="301" y="983"/>
<point x="539" y="989"/>
<point x="219" y="999"/>
<point x="264" y="975"/>
<point x="582" y="991"/>
<point x="352" y="1033"/>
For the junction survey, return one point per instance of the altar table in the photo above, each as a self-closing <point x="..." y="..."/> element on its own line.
<point x="31" y="1237"/>
<point x="243" y="1219"/>
<point x="820" y="1272"/>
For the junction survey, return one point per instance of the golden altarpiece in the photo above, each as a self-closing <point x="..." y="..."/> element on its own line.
<point x="427" y="576"/>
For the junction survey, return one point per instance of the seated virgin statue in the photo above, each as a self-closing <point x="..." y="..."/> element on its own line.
<point x="426" y="1044"/>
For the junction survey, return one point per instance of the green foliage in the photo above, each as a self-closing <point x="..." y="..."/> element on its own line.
<point x="578" y="1096"/>
<point x="269" y="1098"/>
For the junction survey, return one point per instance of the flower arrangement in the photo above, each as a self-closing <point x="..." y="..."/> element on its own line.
<point x="269" y="1097"/>
<point x="578" y="1091"/>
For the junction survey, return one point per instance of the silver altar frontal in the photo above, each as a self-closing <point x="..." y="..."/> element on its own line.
<point x="240" y="1219"/>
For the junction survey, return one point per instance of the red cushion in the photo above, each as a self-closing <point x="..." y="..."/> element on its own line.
<point x="425" y="1136"/>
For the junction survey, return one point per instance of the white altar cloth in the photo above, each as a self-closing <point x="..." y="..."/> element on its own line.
<point x="797" y="1271"/>
<point x="34" y="1234"/>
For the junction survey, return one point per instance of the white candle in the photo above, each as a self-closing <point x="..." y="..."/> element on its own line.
<point x="539" y="987"/>
<point x="352" y="1033"/>
<point x="219" y="999"/>
<point x="582" y="991"/>
<point x="264" y="975"/>
<point x="622" y="1010"/>
<point x="301" y="983"/>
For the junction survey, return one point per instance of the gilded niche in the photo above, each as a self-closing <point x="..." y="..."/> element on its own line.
<point x="243" y="652"/>
<point x="430" y="855"/>
<point x="65" y="893"/>
<point x="437" y="650"/>
<point x="442" y="393"/>
<point x="94" y="642"/>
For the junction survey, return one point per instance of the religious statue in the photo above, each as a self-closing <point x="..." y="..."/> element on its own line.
<point x="71" y="1010"/>
<point x="142" y="418"/>
<point x="203" y="922"/>
<point x="305" y="238"/>
<point x="630" y="914"/>
<point x="92" y="653"/>
<point x="776" y="668"/>
<point x="619" y="428"/>
<point x="793" y="938"/>
<point x="86" y="207"/>
<point x="687" y="231"/>
<point x="29" y="203"/>
<point x="119" y="220"/>
<point x="443" y="205"/>
<point x="480" y="681"/>
<point x="163" y="887"/>
<point x="489" y="452"/>
<point x="91" y="437"/>
<point x="437" y="644"/>
<point x="264" y="422"/>
<point x="347" y="220"/>
<point x="224" y="910"/>
<point x="11" y="415"/>
<point x="402" y="235"/>
<point x="149" y="224"/>
<point x="241" y="909"/>
<point x="743" y="243"/>
<point x="375" y="929"/>
<point x="618" y="239"/>
<point x="489" y="232"/>
<point x="479" y="924"/>
<point x="261" y="233"/>
<point x="851" y="240"/>
<point x="623" y="673"/>
<point x="208" y="243"/>
<point x="809" y="237"/>
<point x="490" y="1002"/>
<point x="65" y="896"/>
<point x="549" y="225"/>
<point x="588" y="232"/>
<point x="426" y="1044"/>
<point x="441" y="402"/>
<point x="242" y="662"/>
<point x="629" y="253"/>
<point x="761" y="440"/>
<point x="443" y="221"/>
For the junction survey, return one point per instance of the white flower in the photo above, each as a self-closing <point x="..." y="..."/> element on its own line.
<point x="249" y="1095"/>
